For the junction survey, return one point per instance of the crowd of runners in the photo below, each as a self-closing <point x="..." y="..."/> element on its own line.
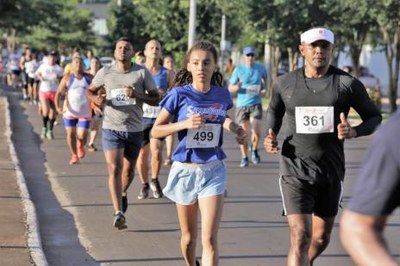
<point x="140" y="101"/>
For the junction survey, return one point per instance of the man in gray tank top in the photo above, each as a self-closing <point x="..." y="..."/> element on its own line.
<point x="127" y="87"/>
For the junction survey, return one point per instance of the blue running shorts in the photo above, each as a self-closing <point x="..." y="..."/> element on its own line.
<point x="189" y="182"/>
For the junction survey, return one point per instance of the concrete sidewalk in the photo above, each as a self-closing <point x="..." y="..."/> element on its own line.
<point x="19" y="228"/>
<point x="14" y="246"/>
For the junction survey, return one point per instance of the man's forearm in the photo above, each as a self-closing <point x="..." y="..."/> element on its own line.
<point x="362" y="238"/>
<point x="150" y="99"/>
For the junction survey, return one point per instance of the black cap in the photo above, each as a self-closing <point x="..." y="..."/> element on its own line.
<point x="53" y="52"/>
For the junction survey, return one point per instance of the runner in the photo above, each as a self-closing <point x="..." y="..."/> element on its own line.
<point x="26" y="57"/>
<point x="88" y="59"/>
<point x="197" y="179"/>
<point x="316" y="99"/>
<point x="249" y="82"/>
<point x="31" y="67"/>
<point x="168" y="63"/>
<point x="76" y="111"/>
<point x="97" y="112"/>
<point x="163" y="79"/>
<point x="126" y="85"/>
<point x="13" y="69"/>
<point x="49" y="74"/>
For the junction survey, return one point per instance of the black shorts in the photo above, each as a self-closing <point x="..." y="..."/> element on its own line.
<point x="146" y="134"/>
<point x="245" y="112"/>
<point x="32" y="81"/>
<point x="16" y="72"/>
<point x="299" y="196"/>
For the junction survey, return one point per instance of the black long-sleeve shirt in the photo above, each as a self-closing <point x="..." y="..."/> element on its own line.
<point x="320" y="156"/>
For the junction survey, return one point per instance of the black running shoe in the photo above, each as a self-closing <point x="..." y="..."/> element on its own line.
<point x="144" y="191"/>
<point x="255" y="157"/>
<point x="120" y="221"/>
<point x="156" y="188"/>
<point x="124" y="203"/>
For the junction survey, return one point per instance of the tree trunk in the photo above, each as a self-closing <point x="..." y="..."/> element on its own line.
<point x="355" y="52"/>
<point x="396" y="51"/>
<point x="11" y="40"/>
<point x="275" y="58"/>
<point x="391" y="50"/>
<point x="293" y="58"/>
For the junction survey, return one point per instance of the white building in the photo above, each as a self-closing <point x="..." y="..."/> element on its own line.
<point x="375" y="60"/>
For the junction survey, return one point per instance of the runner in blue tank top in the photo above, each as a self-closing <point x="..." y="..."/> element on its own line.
<point x="162" y="78"/>
<point x="197" y="179"/>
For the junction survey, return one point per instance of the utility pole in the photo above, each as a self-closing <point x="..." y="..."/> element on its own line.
<point x="223" y="42"/>
<point x="192" y="23"/>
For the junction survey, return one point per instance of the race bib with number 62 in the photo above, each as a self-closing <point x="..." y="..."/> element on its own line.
<point x="119" y="97"/>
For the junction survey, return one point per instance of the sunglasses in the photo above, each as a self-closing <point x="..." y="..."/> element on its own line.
<point x="250" y="55"/>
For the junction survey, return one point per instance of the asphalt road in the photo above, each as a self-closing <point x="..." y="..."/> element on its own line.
<point x="75" y="213"/>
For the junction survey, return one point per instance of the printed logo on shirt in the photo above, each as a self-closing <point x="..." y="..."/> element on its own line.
<point x="214" y="113"/>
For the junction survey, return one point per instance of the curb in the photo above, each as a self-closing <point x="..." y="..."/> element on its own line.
<point x="34" y="241"/>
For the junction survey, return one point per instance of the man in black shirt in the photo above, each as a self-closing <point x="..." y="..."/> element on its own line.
<point x="316" y="99"/>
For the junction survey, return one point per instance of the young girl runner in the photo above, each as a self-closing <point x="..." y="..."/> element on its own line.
<point x="197" y="179"/>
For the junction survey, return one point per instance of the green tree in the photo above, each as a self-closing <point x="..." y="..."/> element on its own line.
<point x="126" y="20"/>
<point x="56" y="24"/>
<point x="166" y="21"/>
<point x="15" y="16"/>
<point x="359" y="22"/>
<point x="282" y="21"/>
<point x="387" y="14"/>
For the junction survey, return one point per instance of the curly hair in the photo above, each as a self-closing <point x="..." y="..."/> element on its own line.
<point x="184" y="77"/>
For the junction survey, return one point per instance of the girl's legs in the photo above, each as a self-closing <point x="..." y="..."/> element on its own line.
<point x="187" y="215"/>
<point x="211" y="212"/>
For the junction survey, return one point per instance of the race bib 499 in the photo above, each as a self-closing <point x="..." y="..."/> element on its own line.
<point x="205" y="137"/>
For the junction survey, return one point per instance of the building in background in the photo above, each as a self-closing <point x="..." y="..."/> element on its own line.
<point x="99" y="8"/>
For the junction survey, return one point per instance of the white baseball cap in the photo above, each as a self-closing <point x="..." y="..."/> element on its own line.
<point x="316" y="34"/>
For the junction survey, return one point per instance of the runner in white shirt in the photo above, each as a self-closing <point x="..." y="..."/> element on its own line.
<point x="49" y="75"/>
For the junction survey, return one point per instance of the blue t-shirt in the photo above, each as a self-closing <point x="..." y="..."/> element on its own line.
<point x="183" y="102"/>
<point x="248" y="76"/>
<point x="86" y="63"/>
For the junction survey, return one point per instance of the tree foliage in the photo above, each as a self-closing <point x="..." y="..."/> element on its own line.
<point x="168" y="22"/>
<point x="54" y="24"/>
<point x="126" y="20"/>
<point x="387" y="14"/>
<point x="59" y="23"/>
